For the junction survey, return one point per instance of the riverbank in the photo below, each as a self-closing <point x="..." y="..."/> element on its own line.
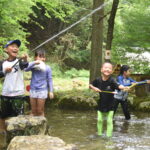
<point x="71" y="90"/>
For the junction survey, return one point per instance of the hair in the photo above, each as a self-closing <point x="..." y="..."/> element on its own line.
<point x="107" y="62"/>
<point x="124" y="68"/>
<point x="40" y="53"/>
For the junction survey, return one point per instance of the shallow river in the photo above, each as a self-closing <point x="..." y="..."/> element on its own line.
<point x="79" y="127"/>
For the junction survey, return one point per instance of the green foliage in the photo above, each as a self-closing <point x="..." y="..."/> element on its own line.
<point x="72" y="73"/>
<point x="11" y="14"/>
<point x="57" y="8"/>
<point x="58" y="72"/>
<point x="132" y="33"/>
<point x="17" y="12"/>
<point x="134" y="21"/>
<point x="131" y="29"/>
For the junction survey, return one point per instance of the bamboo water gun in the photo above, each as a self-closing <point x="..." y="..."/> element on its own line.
<point x="138" y="83"/>
<point x="110" y="92"/>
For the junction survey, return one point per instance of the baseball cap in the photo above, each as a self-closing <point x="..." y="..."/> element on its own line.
<point x="18" y="42"/>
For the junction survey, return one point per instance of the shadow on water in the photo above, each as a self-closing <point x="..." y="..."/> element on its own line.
<point x="79" y="127"/>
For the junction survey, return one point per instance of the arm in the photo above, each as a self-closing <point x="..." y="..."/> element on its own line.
<point x="118" y="86"/>
<point x="23" y="62"/>
<point x="140" y="83"/>
<point x="31" y="65"/>
<point x="121" y="87"/>
<point x="50" y="82"/>
<point x="120" y="81"/>
<point x="1" y="70"/>
<point x="143" y="82"/>
<point x="94" y="88"/>
<point x="148" y="81"/>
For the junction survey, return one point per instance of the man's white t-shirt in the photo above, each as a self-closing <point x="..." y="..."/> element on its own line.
<point x="13" y="83"/>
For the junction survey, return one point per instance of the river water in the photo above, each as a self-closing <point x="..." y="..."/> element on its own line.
<point x="79" y="127"/>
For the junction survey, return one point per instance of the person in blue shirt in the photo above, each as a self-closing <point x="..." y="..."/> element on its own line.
<point x="121" y="96"/>
<point x="41" y="83"/>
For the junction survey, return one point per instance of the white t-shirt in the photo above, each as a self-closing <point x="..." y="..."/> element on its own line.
<point x="13" y="84"/>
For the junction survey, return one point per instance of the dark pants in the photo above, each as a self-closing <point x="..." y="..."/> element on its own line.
<point x="11" y="106"/>
<point x="124" y="105"/>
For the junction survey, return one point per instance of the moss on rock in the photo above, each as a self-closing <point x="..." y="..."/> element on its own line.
<point x="141" y="104"/>
<point x="77" y="99"/>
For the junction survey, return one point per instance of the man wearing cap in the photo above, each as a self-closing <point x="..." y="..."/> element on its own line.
<point x="13" y="86"/>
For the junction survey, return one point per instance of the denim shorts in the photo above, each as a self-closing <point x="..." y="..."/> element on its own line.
<point x="39" y="94"/>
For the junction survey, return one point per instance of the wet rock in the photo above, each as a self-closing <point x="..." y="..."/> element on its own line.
<point x="131" y="100"/>
<point x="3" y="143"/>
<point x="145" y="106"/>
<point x="141" y="104"/>
<point x="142" y="91"/>
<point x="77" y="102"/>
<point x="39" y="142"/>
<point x="77" y="99"/>
<point x="25" y="125"/>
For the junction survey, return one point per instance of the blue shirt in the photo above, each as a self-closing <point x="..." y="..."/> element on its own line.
<point x="41" y="80"/>
<point x="125" y="81"/>
<point x="122" y="95"/>
<point x="128" y="81"/>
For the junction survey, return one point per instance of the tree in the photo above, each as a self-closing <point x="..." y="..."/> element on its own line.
<point x="111" y="22"/>
<point x="97" y="40"/>
<point x="15" y="14"/>
<point x="11" y="14"/>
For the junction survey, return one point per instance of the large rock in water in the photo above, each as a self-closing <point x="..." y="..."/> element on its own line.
<point x="39" y="142"/>
<point x="77" y="100"/>
<point x="25" y="125"/>
<point x="145" y="106"/>
<point x="140" y="103"/>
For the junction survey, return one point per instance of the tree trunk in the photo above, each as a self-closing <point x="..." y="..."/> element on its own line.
<point x="97" y="41"/>
<point x="111" y="23"/>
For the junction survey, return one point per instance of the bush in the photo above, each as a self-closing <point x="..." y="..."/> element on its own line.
<point x="77" y="73"/>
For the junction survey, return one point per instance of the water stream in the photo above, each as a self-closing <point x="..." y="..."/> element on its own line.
<point x="79" y="127"/>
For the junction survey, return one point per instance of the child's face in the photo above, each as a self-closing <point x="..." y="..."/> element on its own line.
<point x="12" y="50"/>
<point x="127" y="73"/>
<point x="40" y="58"/>
<point x="107" y="69"/>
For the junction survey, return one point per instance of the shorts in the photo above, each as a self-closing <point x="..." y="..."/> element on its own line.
<point x="11" y="106"/>
<point x="38" y="94"/>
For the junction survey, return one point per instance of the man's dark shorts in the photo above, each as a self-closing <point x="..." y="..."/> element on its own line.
<point x="11" y="106"/>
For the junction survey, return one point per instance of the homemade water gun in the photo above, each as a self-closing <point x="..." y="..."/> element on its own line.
<point x="109" y="92"/>
<point x="131" y="86"/>
<point x="138" y="83"/>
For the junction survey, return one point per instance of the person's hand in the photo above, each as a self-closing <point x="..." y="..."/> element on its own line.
<point x="8" y="70"/>
<point x="37" y="62"/>
<point x="51" y="95"/>
<point x="96" y="89"/>
<point x="148" y="81"/>
<point x="133" y="84"/>
<point x="24" y="57"/>
<point x="126" y="89"/>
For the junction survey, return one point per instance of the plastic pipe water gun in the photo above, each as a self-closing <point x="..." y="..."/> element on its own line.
<point x="138" y="83"/>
